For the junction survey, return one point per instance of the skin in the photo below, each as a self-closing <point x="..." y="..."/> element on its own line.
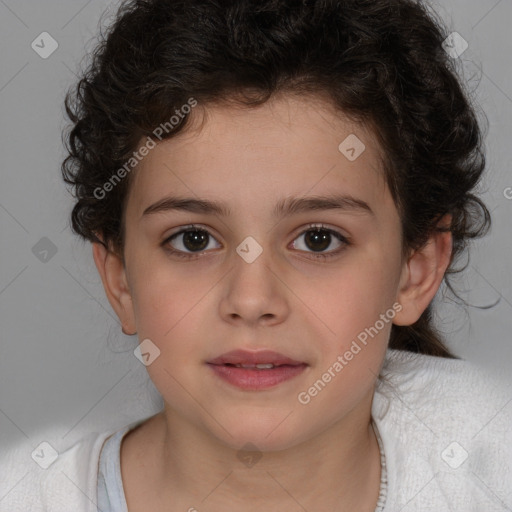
<point x="320" y="456"/>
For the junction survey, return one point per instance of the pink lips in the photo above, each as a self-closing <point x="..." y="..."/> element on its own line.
<point x="274" y="368"/>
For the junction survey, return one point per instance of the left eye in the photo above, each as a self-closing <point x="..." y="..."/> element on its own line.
<point x="318" y="239"/>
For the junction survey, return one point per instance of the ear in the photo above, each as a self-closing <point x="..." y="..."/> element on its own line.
<point x="113" y="275"/>
<point x="422" y="274"/>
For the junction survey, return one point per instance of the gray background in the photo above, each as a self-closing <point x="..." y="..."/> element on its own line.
<point x="65" y="366"/>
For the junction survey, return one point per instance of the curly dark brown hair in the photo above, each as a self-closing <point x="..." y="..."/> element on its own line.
<point x="381" y="62"/>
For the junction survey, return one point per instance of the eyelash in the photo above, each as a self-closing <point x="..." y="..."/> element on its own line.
<point x="312" y="227"/>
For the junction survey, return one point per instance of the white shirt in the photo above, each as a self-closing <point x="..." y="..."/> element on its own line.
<point x="445" y="427"/>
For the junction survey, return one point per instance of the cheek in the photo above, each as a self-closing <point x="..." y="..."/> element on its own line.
<point x="353" y="347"/>
<point x="170" y="313"/>
<point x="353" y="297"/>
<point x="166" y="295"/>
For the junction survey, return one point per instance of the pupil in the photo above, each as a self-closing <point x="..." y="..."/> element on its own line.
<point x="195" y="240"/>
<point x="319" y="235"/>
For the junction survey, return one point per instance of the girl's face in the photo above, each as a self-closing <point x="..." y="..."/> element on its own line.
<point x="254" y="275"/>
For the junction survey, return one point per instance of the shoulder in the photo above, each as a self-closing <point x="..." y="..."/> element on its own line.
<point x="446" y="427"/>
<point x="41" y="479"/>
<point x="454" y="385"/>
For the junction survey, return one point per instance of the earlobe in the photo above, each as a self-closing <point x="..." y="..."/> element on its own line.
<point x="113" y="276"/>
<point x="422" y="274"/>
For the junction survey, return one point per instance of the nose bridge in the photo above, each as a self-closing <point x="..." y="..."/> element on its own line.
<point x="253" y="266"/>
<point x="253" y="290"/>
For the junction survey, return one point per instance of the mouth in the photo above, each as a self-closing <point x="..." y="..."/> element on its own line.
<point x="255" y="370"/>
<point x="259" y="366"/>
<point x="263" y="359"/>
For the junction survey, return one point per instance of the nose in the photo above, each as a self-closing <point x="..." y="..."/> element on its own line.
<point x="254" y="292"/>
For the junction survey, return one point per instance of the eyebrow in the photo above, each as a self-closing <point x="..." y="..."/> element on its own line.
<point x="286" y="206"/>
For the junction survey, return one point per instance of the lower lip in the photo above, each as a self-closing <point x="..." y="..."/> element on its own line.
<point x="252" y="379"/>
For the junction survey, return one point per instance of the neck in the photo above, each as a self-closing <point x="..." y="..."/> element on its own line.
<point x="338" y="469"/>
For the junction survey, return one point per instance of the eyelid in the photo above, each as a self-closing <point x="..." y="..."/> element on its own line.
<point x="321" y="226"/>
<point x="201" y="227"/>
<point x="189" y="227"/>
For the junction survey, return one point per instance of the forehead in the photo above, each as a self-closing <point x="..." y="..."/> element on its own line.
<point x="288" y="146"/>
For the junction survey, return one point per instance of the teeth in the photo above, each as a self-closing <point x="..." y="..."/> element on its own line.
<point x="261" y="366"/>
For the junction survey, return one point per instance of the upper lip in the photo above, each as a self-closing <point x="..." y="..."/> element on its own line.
<point x="249" y="358"/>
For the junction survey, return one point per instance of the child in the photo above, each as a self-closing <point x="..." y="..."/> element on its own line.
<point x="274" y="192"/>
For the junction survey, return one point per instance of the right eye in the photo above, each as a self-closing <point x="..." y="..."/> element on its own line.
<point x="188" y="241"/>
